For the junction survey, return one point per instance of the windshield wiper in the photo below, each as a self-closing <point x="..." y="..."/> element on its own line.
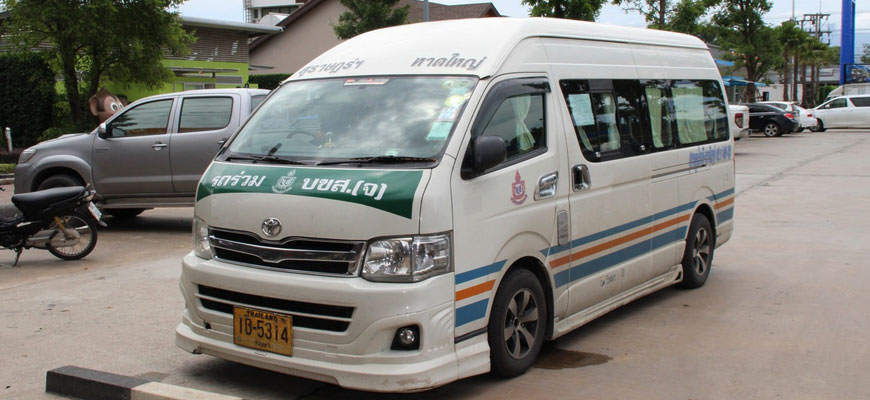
<point x="380" y="160"/>
<point x="266" y="158"/>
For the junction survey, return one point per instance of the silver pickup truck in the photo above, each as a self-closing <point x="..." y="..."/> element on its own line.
<point x="150" y="154"/>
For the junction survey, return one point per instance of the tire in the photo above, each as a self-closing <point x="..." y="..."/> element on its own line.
<point x="698" y="256"/>
<point x="124" y="213"/>
<point x="61" y="180"/>
<point x="515" y="340"/>
<point x="820" y="127"/>
<point x="81" y="241"/>
<point x="771" y="129"/>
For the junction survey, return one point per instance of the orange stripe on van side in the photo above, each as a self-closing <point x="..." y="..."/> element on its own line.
<point x="725" y="203"/>
<point x="474" y="290"/>
<point x="616" y="242"/>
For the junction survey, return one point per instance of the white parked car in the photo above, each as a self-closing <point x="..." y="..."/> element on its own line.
<point x="851" y="111"/>
<point x="739" y="120"/>
<point x="804" y="116"/>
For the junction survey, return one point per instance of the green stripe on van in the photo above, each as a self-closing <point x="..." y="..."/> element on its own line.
<point x="390" y="191"/>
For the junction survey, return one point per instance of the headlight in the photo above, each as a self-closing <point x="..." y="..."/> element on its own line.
<point x="27" y="154"/>
<point x="201" y="246"/>
<point x="410" y="259"/>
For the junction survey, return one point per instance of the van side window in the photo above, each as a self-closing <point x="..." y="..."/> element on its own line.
<point x="519" y="120"/>
<point x="700" y="112"/>
<point x="515" y="111"/>
<point x="660" y="113"/>
<point x="607" y="117"/>
<point x="860" y="101"/>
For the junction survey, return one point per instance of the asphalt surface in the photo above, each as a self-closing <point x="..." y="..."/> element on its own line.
<point x="784" y="314"/>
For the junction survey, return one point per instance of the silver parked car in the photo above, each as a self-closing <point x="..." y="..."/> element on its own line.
<point x="150" y="154"/>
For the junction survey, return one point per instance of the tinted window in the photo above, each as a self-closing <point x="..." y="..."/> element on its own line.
<point x="144" y="119"/>
<point x="861" y="101"/>
<point x="256" y="100"/>
<point x="836" y="103"/>
<point x="519" y="120"/>
<point x="608" y="117"/>
<point x="205" y="113"/>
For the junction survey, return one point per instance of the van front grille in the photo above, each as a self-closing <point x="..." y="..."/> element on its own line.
<point x="305" y="315"/>
<point x="339" y="258"/>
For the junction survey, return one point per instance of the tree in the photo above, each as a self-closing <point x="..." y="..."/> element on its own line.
<point x="669" y="14"/>
<point x="740" y="27"/>
<point x="366" y="15"/>
<point x="865" y="58"/>
<point x="792" y="38"/>
<point x="26" y="96"/>
<point x="586" y="10"/>
<point x="92" y="41"/>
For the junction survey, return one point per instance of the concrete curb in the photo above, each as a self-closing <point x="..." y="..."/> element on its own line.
<point x="83" y="383"/>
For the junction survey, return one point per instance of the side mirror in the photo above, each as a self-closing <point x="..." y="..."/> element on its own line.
<point x="102" y="130"/>
<point x="484" y="153"/>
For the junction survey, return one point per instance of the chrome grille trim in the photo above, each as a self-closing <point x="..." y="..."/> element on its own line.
<point x="302" y="255"/>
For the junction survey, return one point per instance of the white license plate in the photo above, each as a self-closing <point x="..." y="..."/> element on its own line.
<point x="94" y="210"/>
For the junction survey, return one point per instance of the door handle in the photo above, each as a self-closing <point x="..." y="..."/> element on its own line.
<point x="547" y="185"/>
<point x="580" y="176"/>
<point x="222" y="141"/>
<point x="158" y="146"/>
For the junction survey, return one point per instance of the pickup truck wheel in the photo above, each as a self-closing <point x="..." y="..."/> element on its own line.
<point x="124" y="213"/>
<point x="62" y="180"/>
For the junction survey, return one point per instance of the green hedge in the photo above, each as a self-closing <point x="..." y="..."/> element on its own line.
<point x="269" y="81"/>
<point x="27" y="97"/>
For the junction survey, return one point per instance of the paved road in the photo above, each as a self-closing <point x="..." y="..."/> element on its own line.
<point x="784" y="314"/>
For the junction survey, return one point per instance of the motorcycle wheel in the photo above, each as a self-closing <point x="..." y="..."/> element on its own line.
<point x="76" y="240"/>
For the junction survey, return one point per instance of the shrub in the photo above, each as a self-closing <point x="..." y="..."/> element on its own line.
<point x="27" y="96"/>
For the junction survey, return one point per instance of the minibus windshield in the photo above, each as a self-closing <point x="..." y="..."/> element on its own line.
<point x="372" y="120"/>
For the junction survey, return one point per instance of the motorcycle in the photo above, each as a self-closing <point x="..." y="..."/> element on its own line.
<point x="62" y="220"/>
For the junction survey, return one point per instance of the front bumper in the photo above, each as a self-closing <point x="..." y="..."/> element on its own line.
<point x="357" y="357"/>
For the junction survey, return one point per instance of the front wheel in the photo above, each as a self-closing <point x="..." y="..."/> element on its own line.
<point x="698" y="256"/>
<point x="74" y="238"/>
<point x="820" y="127"/>
<point x="772" y="129"/>
<point x="517" y="324"/>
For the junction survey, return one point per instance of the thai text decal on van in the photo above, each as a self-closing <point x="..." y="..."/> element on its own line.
<point x="390" y="191"/>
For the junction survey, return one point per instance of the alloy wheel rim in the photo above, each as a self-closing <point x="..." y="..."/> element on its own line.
<point x="701" y="251"/>
<point x="521" y="324"/>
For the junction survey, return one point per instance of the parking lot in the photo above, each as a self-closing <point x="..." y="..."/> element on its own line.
<point x="783" y="315"/>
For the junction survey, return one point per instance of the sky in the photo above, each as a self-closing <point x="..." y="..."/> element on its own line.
<point x="231" y="10"/>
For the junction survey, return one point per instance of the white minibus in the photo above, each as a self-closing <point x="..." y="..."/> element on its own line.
<point x="433" y="201"/>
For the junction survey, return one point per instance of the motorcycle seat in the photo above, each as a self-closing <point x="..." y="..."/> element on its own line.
<point x="42" y="199"/>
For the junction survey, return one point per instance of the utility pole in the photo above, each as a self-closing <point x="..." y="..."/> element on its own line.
<point x="812" y="23"/>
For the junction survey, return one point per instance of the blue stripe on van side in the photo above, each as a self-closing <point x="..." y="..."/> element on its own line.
<point x="479" y="272"/>
<point x="618" y="229"/>
<point x="471" y="312"/>
<point x="721" y="195"/>
<point x="599" y="264"/>
<point x="725" y="215"/>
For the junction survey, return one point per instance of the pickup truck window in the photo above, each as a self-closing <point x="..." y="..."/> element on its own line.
<point x="142" y="120"/>
<point x="205" y="113"/>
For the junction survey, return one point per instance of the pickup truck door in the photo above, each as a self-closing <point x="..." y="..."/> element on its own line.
<point x="205" y="122"/>
<point x="131" y="157"/>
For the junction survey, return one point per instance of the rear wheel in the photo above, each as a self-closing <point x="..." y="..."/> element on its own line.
<point x="698" y="256"/>
<point x="517" y="324"/>
<point x="772" y="129"/>
<point x="75" y="238"/>
<point x="61" y="180"/>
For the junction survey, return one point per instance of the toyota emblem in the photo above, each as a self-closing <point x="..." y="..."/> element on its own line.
<point x="271" y="227"/>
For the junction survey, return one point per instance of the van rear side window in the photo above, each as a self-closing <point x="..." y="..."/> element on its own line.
<point x="622" y="118"/>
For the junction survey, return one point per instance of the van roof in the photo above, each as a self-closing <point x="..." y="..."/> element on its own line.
<point x="465" y="47"/>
